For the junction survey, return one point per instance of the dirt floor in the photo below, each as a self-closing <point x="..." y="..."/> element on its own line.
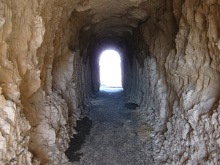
<point x="109" y="135"/>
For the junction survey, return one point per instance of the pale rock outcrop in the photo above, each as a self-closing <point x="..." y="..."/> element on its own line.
<point x="180" y="91"/>
<point x="35" y="122"/>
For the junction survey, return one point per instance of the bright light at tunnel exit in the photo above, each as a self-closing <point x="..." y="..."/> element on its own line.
<point x="110" y="69"/>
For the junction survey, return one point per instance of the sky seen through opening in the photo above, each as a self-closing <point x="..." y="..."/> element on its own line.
<point x="110" y="69"/>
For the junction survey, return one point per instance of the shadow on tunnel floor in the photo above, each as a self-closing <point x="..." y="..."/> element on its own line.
<point x="83" y="129"/>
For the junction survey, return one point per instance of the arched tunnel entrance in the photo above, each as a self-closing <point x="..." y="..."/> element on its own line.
<point x="110" y="69"/>
<point x="168" y="111"/>
<point x="118" y="45"/>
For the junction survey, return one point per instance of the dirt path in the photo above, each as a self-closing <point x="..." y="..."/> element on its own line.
<point x="113" y="138"/>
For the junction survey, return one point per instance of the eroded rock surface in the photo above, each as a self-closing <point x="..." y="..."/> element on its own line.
<point x="49" y="68"/>
<point x="178" y="82"/>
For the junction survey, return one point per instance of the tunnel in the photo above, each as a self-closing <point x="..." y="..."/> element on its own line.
<point x="110" y="69"/>
<point x="49" y="78"/>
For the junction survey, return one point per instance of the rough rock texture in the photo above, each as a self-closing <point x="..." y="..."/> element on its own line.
<point x="48" y="68"/>
<point x="40" y="82"/>
<point x="178" y="84"/>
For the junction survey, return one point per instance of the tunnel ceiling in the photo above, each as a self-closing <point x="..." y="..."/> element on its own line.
<point x="111" y="21"/>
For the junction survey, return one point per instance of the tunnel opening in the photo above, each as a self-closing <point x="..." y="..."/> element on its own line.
<point x="110" y="71"/>
<point x="49" y="80"/>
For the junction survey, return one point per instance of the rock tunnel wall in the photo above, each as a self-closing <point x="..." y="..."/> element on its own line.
<point x="171" y="68"/>
<point x="42" y="75"/>
<point x="178" y="83"/>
